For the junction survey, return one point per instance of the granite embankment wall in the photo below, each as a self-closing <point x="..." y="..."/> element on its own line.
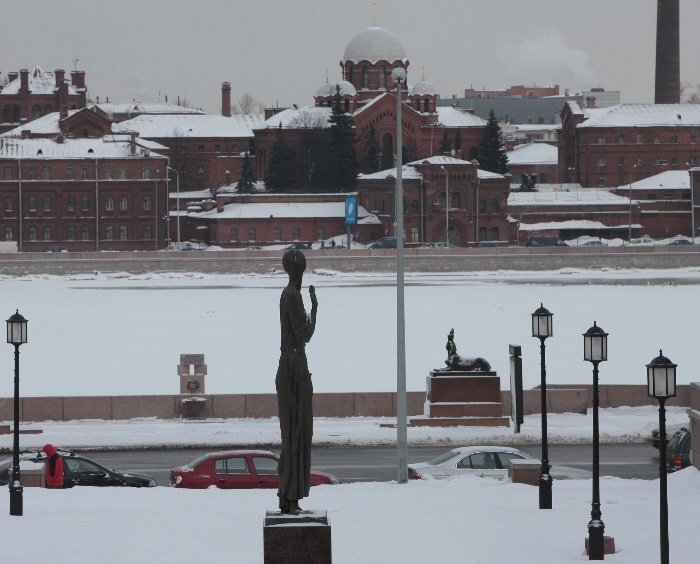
<point x="355" y="260"/>
<point x="573" y="399"/>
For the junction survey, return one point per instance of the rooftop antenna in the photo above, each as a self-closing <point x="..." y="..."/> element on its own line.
<point x="327" y="76"/>
<point x="423" y="71"/>
<point x="75" y="64"/>
<point x="374" y="13"/>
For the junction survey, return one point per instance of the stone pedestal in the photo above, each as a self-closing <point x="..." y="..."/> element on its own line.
<point x="193" y="408"/>
<point x="291" y="539"/>
<point x="608" y="545"/>
<point x="462" y="398"/>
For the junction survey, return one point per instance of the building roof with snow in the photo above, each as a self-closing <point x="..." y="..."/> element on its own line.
<point x="44" y="125"/>
<point x="109" y="147"/>
<point x="561" y="195"/>
<point x="40" y="82"/>
<point x="263" y="210"/>
<point x="374" y="44"/>
<point x="191" y="125"/>
<point x="669" y="179"/>
<point x="135" y="108"/>
<point x="454" y="117"/>
<point x="534" y="154"/>
<point x="644" y="115"/>
<point x="298" y="118"/>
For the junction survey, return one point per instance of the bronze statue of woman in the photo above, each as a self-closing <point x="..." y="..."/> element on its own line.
<point x="294" y="388"/>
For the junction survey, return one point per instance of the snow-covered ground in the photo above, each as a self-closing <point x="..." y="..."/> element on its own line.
<point x="109" y="334"/>
<point x="122" y="334"/>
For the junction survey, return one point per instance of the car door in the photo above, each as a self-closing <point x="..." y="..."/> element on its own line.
<point x="84" y="472"/>
<point x="482" y="464"/>
<point x="233" y="472"/>
<point x="504" y="457"/>
<point x="266" y="471"/>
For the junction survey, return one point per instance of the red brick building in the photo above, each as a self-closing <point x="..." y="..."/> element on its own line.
<point x="81" y="189"/>
<point x="519" y="91"/>
<point x="628" y="142"/>
<point x="29" y="94"/>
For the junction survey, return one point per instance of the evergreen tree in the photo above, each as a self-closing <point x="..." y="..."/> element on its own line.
<point x="371" y="151"/>
<point x="246" y="183"/>
<point x="492" y="155"/>
<point x="445" y="145"/>
<point x="280" y="173"/>
<point x="340" y="163"/>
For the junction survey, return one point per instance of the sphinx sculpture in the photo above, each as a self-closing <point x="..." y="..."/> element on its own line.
<point x="456" y="362"/>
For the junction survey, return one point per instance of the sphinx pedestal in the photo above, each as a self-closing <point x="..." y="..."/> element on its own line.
<point x="462" y="398"/>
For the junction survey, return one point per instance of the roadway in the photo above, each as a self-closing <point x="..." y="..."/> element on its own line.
<point x="365" y="464"/>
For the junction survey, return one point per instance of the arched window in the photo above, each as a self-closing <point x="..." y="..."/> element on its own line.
<point x="640" y="139"/>
<point x="48" y="234"/>
<point x="85" y="233"/>
<point x="32" y="233"/>
<point x="365" y="77"/>
<point x="109" y="203"/>
<point x="382" y="78"/>
<point x="36" y="111"/>
<point x="9" y="234"/>
<point x="456" y="198"/>
<point x="70" y="233"/>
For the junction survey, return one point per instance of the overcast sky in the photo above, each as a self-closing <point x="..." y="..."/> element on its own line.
<point x="279" y="51"/>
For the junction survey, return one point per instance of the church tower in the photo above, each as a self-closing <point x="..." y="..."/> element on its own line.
<point x="668" y="79"/>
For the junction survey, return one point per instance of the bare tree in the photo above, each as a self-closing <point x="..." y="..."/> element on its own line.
<point x="247" y="105"/>
<point x="690" y="94"/>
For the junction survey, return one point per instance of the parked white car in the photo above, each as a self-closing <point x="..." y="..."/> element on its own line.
<point x="485" y="462"/>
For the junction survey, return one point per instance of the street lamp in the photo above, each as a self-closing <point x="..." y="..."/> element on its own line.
<point x="398" y="75"/>
<point x="447" y="207"/>
<point x="542" y="328"/>
<point x="16" y="335"/>
<point x="595" y="351"/>
<point x="476" y="211"/>
<point x="661" y="380"/>
<point x="177" y="204"/>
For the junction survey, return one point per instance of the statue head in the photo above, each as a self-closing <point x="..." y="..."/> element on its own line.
<point x="294" y="262"/>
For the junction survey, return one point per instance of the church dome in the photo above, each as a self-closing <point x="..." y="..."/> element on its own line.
<point x="423" y="88"/>
<point x="374" y="44"/>
<point x="328" y="89"/>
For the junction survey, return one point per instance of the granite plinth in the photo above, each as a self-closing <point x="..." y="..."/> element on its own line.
<point x="463" y="386"/>
<point x="290" y="539"/>
<point x="608" y="545"/>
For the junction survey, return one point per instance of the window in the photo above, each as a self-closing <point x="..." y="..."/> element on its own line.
<point x="200" y="169"/>
<point x="70" y="173"/>
<point x="296" y="233"/>
<point x="122" y="174"/>
<point x="693" y="139"/>
<point x="70" y="233"/>
<point x="365" y="77"/>
<point x="31" y="174"/>
<point x="483" y="205"/>
<point x="478" y="461"/>
<point x="48" y="234"/>
<point x="9" y="235"/>
<point x="32" y="233"/>
<point x="265" y="466"/>
<point x="83" y="173"/>
<point x="146" y="173"/>
<point x="147" y="232"/>
<point x="415" y="207"/>
<point x="601" y="162"/>
<point x="234" y="465"/>
<point x="109" y="203"/>
<point x="46" y="173"/>
<point x="640" y="162"/>
<point x="123" y="203"/>
<point x="414" y="235"/>
<point x="621" y="140"/>
<point x="32" y="204"/>
<point x="674" y="138"/>
<point x="123" y="232"/>
<point x="85" y="233"/>
<point x="693" y="161"/>
<point x="234" y="234"/>
<point x="200" y="148"/>
<point x="652" y="197"/>
<point x="147" y="203"/>
<point x="47" y="203"/>
<point x="657" y="140"/>
<point x="601" y="140"/>
<point x="217" y="148"/>
<point x="621" y="162"/>
<point x="251" y="234"/>
<point x="382" y="78"/>
<point x="8" y="173"/>
<point x="674" y="161"/>
<point x="495" y="234"/>
<point x="109" y="173"/>
<point x="456" y="200"/>
<point x="8" y="203"/>
<point x="505" y="457"/>
<point x="321" y="234"/>
<point x="85" y="203"/>
<point x="70" y="203"/>
<point x="109" y="232"/>
<point x="36" y="111"/>
<point x="482" y="234"/>
<point x="640" y="140"/>
<point x="601" y="182"/>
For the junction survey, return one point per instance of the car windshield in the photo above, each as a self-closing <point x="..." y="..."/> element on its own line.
<point x="442" y="458"/>
<point x="197" y="460"/>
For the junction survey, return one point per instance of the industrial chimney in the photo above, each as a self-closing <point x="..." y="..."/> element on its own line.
<point x="668" y="75"/>
<point x="226" y="99"/>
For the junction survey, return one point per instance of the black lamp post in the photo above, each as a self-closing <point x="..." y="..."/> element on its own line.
<point x="542" y="328"/>
<point x="595" y="351"/>
<point x="16" y="335"/>
<point x="661" y="379"/>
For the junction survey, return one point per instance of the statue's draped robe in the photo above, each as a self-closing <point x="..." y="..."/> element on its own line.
<point x="294" y="393"/>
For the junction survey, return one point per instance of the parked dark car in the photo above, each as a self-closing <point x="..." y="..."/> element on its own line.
<point x="654" y="438"/>
<point x="544" y="242"/>
<point x="680" y="242"/>
<point x="383" y="243"/>
<point x="678" y="450"/>
<point x="81" y="471"/>
<point x="236" y="469"/>
<point x="300" y="246"/>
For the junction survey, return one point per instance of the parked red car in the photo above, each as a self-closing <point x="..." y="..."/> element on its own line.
<point x="236" y="469"/>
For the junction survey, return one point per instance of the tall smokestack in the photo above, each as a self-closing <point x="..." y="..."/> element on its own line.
<point x="668" y="75"/>
<point x="226" y="99"/>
